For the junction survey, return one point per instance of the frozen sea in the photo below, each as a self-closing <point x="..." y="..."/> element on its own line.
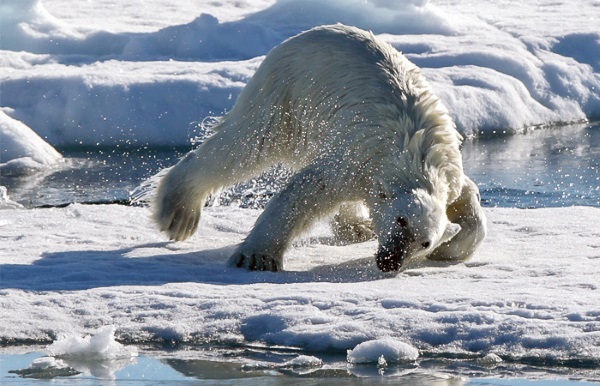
<point x="97" y="97"/>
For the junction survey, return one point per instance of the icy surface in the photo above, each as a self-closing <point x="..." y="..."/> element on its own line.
<point x="530" y="292"/>
<point x="145" y="73"/>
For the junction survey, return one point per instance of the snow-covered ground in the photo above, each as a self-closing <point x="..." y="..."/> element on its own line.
<point x="531" y="291"/>
<point x="141" y="74"/>
<point x="145" y="72"/>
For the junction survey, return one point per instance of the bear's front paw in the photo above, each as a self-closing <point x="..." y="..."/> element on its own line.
<point x="255" y="261"/>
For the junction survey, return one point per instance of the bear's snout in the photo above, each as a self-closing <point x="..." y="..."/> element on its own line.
<point x="389" y="260"/>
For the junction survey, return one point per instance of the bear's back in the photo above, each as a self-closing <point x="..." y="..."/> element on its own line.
<point x="328" y="76"/>
<point x="332" y="60"/>
<point x="339" y="93"/>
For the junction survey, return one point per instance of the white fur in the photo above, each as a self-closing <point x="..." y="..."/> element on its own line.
<point x="359" y="123"/>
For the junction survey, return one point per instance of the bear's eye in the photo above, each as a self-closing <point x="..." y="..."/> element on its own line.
<point x="403" y="222"/>
<point x="383" y="196"/>
<point x="426" y="244"/>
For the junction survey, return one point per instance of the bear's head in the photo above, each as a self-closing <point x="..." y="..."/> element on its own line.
<point x="409" y="225"/>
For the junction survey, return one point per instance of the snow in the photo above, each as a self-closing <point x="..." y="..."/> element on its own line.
<point x="146" y="74"/>
<point x="530" y="292"/>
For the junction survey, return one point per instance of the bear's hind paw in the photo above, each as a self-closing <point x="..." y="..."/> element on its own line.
<point x="254" y="262"/>
<point x="357" y="232"/>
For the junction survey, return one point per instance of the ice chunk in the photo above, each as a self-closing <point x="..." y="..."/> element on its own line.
<point x="303" y="361"/>
<point x="386" y="350"/>
<point x="5" y="201"/>
<point x="490" y="359"/>
<point x="46" y="368"/>
<point x="100" y="346"/>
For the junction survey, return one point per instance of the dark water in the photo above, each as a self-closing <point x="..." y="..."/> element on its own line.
<point x="91" y="176"/>
<point x="248" y="367"/>
<point x="540" y="168"/>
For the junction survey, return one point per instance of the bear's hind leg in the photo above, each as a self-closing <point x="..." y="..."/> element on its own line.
<point x="219" y="162"/>
<point x="352" y="224"/>
<point x="178" y="201"/>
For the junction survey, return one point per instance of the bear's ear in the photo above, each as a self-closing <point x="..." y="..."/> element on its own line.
<point x="451" y="230"/>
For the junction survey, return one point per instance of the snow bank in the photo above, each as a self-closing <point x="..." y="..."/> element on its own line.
<point x="530" y="292"/>
<point x="76" y="85"/>
<point x="119" y="102"/>
<point x="26" y="25"/>
<point x="30" y="27"/>
<point x="22" y="151"/>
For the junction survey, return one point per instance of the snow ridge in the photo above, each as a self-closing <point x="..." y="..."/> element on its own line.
<point x="79" y="86"/>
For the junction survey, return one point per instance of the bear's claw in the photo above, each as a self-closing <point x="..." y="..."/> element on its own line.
<point x="255" y="262"/>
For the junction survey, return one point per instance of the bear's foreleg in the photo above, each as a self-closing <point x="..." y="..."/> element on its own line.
<point x="467" y="212"/>
<point x="307" y="197"/>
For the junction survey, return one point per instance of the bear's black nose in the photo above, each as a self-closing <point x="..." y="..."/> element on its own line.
<point x="390" y="261"/>
<point x="387" y="264"/>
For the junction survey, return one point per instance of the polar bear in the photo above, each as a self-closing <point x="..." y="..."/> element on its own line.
<point x="360" y="126"/>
